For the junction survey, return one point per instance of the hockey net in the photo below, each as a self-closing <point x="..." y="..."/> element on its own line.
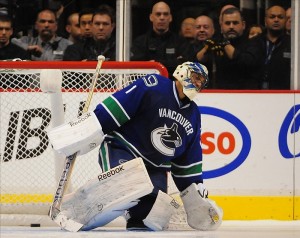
<point x="29" y="167"/>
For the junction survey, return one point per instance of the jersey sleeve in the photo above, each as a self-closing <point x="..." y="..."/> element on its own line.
<point x="123" y="105"/>
<point x="187" y="169"/>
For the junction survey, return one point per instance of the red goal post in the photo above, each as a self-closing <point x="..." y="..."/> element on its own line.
<point x="29" y="167"/>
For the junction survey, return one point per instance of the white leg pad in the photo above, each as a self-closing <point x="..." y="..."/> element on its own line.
<point x="159" y="216"/>
<point x="202" y="213"/>
<point x="105" y="217"/>
<point x="106" y="197"/>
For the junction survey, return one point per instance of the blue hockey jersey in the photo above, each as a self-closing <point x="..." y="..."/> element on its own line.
<point x="151" y="121"/>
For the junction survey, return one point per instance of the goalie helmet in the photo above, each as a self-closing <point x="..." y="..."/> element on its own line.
<point x="183" y="74"/>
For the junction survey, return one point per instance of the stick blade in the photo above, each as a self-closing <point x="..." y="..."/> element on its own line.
<point x="67" y="224"/>
<point x="63" y="221"/>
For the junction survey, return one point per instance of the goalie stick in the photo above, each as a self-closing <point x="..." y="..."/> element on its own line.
<point x="54" y="212"/>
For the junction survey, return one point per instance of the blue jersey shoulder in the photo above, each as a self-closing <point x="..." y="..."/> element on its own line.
<point x="153" y="81"/>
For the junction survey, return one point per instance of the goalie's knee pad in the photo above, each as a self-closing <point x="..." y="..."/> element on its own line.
<point x="161" y="212"/>
<point x="202" y="213"/>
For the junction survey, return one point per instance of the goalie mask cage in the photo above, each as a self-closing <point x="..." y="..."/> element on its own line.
<point x="29" y="167"/>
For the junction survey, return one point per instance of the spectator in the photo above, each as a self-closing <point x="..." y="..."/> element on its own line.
<point x="85" y="22"/>
<point x="204" y="29"/>
<point x="102" y="41"/>
<point x="187" y="28"/>
<point x="288" y="25"/>
<point x="72" y="27"/>
<point x="218" y="33"/>
<point x="236" y="59"/>
<point x="276" y="47"/>
<point x="8" y="50"/>
<point x="254" y="30"/>
<point x="225" y="7"/>
<point x="159" y="43"/>
<point x="47" y="45"/>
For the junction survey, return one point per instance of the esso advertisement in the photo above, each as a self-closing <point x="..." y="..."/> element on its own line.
<point x="252" y="136"/>
<point x="228" y="145"/>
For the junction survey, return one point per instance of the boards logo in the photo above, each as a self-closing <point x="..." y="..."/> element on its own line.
<point x="26" y="135"/>
<point x="239" y="131"/>
<point x="287" y="133"/>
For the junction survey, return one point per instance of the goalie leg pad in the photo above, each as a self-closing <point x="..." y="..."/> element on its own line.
<point x="80" y="135"/>
<point x="105" y="217"/>
<point x="106" y="197"/>
<point x="202" y="213"/>
<point x="164" y="207"/>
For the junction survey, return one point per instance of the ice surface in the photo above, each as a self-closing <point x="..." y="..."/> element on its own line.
<point x="229" y="229"/>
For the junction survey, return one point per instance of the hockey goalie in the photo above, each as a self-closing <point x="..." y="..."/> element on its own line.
<point x="150" y="127"/>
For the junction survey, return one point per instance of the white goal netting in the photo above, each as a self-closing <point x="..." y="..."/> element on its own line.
<point x="29" y="167"/>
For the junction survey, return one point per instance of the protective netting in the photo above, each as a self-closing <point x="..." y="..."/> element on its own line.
<point x="29" y="167"/>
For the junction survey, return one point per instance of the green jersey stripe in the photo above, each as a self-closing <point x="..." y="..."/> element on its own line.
<point x="105" y="160"/>
<point x="116" y="110"/>
<point x="187" y="171"/>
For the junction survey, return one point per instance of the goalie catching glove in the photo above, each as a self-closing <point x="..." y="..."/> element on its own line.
<point x="202" y="213"/>
<point x="78" y="136"/>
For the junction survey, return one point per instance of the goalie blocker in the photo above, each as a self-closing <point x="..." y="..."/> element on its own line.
<point x="78" y="136"/>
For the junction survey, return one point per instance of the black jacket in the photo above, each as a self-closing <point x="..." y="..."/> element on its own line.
<point x="243" y="70"/>
<point x="12" y="51"/>
<point x="166" y="49"/>
<point x="89" y="50"/>
<point x="276" y="70"/>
